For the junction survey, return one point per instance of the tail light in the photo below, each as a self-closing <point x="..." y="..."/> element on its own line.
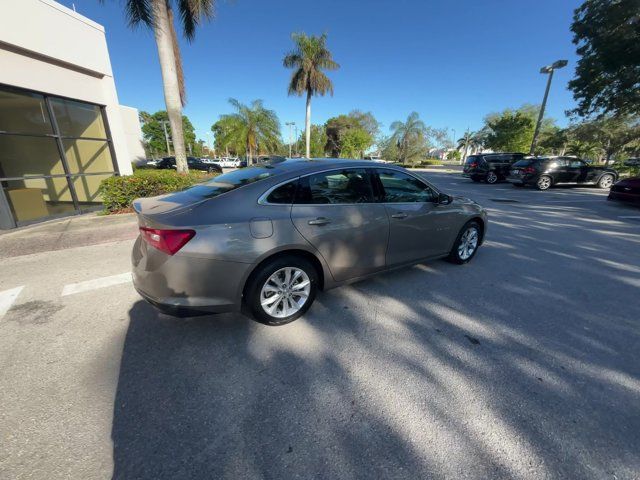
<point x="167" y="241"/>
<point x="473" y="165"/>
<point x="529" y="170"/>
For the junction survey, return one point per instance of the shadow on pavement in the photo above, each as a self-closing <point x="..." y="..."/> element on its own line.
<point x="432" y="371"/>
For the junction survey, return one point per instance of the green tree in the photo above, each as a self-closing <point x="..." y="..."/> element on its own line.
<point x="159" y="16"/>
<point x="454" y="155"/>
<point x="586" y="150"/>
<point x="338" y="127"/>
<point x="553" y="141"/>
<point x="318" y="141"/>
<point x="510" y="131"/>
<point x="355" y="142"/>
<point x="607" y="35"/>
<point x="153" y="132"/>
<point x="308" y="59"/>
<point x="612" y="134"/>
<point x="411" y="138"/>
<point x="251" y="128"/>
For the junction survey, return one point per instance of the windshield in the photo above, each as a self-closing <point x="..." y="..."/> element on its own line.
<point x="229" y="181"/>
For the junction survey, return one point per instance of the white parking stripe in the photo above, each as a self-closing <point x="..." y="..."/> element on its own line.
<point x="96" y="283"/>
<point x="7" y="298"/>
<point x="634" y="217"/>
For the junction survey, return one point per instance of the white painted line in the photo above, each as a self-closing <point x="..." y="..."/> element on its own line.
<point x="96" y="283"/>
<point x="634" y="217"/>
<point x="7" y="298"/>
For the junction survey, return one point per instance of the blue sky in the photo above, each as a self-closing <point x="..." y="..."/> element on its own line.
<point x="453" y="61"/>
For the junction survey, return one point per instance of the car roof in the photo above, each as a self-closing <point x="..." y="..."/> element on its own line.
<point x="300" y="165"/>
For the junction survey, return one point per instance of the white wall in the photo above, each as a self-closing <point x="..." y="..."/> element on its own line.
<point x="133" y="133"/>
<point x="49" y="48"/>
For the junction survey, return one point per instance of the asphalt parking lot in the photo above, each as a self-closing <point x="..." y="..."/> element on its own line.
<point x="523" y="364"/>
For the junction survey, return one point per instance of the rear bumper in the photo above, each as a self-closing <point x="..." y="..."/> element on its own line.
<point x="183" y="285"/>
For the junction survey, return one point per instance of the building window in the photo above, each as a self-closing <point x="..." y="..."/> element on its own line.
<point x="54" y="153"/>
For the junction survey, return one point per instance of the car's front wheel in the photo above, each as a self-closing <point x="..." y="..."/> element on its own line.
<point x="605" y="181"/>
<point x="282" y="290"/>
<point x="466" y="244"/>
<point x="543" y="183"/>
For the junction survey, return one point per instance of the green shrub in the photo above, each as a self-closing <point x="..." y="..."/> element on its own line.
<point x="118" y="193"/>
<point x="422" y="163"/>
<point x="626" y="171"/>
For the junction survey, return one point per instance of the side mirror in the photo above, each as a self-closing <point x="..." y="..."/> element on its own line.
<point x="444" y="199"/>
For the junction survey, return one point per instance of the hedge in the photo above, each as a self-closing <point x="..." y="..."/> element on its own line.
<point x="118" y="193"/>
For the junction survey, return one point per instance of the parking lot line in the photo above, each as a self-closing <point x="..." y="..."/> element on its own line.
<point x="96" y="283"/>
<point x="7" y="298"/>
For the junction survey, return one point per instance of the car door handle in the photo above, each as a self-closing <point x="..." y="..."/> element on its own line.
<point x="319" y="221"/>
<point x="399" y="215"/>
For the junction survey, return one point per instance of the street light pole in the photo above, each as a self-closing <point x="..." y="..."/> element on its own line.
<point x="549" y="69"/>
<point x="166" y="136"/>
<point x="290" y="124"/>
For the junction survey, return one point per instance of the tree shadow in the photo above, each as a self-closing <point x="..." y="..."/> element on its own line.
<point x="435" y="371"/>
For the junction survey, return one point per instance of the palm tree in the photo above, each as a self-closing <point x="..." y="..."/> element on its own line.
<point x="158" y="15"/>
<point x="473" y="141"/>
<point x="410" y="137"/>
<point x="252" y="128"/>
<point x="309" y="58"/>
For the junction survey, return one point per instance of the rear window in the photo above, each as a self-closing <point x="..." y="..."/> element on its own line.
<point x="525" y="163"/>
<point x="229" y="181"/>
<point x="472" y="159"/>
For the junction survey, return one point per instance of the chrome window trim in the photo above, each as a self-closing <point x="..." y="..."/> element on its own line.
<point x="262" y="200"/>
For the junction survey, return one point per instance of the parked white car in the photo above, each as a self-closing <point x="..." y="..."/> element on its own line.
<point x="226" y="162"/>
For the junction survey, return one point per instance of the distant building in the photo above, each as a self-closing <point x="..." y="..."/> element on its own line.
<point x="62" y="129"/>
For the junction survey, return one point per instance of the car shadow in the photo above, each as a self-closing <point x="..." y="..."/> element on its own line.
<point x="430" y="371"/>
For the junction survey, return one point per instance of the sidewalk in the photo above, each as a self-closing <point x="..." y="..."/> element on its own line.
<point x="70" y="232"/>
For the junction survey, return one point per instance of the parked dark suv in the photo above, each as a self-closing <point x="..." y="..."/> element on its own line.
<point x="193" y="163"/>
<point x="544" y="172"/>
<point x="490" y="167"/>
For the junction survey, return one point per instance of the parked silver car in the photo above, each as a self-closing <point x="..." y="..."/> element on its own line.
<point x="264" y="239"/>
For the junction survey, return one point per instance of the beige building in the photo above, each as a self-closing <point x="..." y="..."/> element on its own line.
<point x="62" y="129"/>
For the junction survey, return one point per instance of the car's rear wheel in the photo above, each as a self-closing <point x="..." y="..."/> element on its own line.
<point x="605" y="181"/>
<point x="282" y="290"/>
<point x="544" y="182"/>
<point x="491" y="178"/>
<point x="466" y="244"/>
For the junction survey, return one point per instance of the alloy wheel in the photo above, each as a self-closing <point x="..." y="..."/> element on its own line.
<point x="544" y="183"/>
<point x="492" y="177"/>
<point x="285" y="292"/>
<point x="606" y="181"/>
<point x="468" y="243"/>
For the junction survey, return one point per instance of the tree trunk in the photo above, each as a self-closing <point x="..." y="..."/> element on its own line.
<point x="170" y="83"/>
<point x="307" y="124"/>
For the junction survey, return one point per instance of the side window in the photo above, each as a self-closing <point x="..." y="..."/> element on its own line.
<point x="576" y="164"/>
<point x="399" y="187"/>
<point x="335" y="187"/>
<point x="284" y="194"/>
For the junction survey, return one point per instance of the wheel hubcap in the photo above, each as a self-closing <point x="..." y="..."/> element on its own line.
<point x="606" y="182"/>
<point x="468" y="243"/>
<point x="285" y="292"/>
<point x="491" y="178"/>
<point x="544" y="182"/>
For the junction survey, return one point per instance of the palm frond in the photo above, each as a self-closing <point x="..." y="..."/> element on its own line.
<point x="192" y="12"/>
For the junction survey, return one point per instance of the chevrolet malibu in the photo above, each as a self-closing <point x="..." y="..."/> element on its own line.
<point x="263" y="240"/>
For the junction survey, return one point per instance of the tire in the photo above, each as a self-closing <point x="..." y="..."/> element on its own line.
<point x="211" y="170"/>
<point x="277" y="268"/>
<point x="491" y="178"/>
<point x="605" y="181"/>
<point x="458" y="255"/>
<point x="544" y="182"/>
